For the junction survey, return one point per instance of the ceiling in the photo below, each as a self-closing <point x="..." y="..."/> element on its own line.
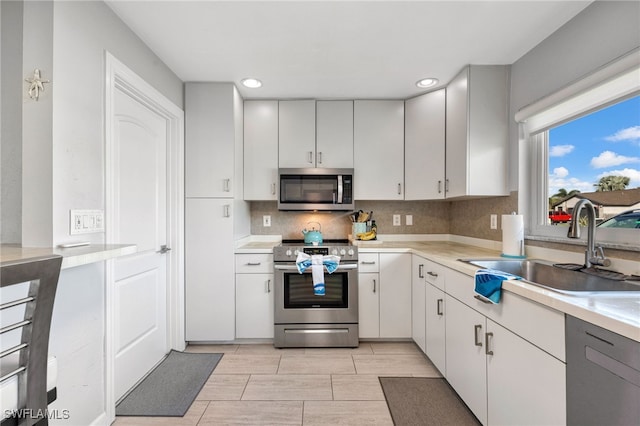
<point x="339" y="49"/>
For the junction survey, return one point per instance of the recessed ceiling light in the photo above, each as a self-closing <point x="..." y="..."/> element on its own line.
<point x="426" y="82"/>
<point x="252" y="83"/>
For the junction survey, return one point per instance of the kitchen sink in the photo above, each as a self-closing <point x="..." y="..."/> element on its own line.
<point x="561" y="278"/>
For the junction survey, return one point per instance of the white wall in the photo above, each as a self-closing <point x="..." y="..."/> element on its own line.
<point x="599" y="34"/>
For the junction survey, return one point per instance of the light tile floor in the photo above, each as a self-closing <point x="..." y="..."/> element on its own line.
<point x="257" y="384"/>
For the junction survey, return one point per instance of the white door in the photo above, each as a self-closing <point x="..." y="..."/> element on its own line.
<point x="139" y="217"/>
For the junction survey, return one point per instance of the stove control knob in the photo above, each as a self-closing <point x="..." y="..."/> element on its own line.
<point x="296" y="252"/>
<point x="343" y="252"/>
<point x="334" y="252"/>
<point x="351" y="252"/>
<point x="288" y="253"/>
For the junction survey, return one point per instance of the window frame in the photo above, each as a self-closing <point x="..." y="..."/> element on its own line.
<point x="611" y="84"/>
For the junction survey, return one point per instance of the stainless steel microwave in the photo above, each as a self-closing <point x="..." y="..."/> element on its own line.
<point x="315" y="189"/>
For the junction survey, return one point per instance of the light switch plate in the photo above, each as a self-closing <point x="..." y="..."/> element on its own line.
<point x="86" y="221"/>
<point x="266" y="220"/>
<point x="494" y="221"/>
<point x="409" y="219"/>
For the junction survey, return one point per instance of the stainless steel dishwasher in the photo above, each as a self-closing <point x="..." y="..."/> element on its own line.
<point x="603" y="376"/>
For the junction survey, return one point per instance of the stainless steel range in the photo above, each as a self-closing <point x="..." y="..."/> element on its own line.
<point x="303" y="319"/>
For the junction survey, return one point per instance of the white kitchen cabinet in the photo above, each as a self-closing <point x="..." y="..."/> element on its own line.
<point x="211" y="139"/>
<point x="254" y="296"/>
<point x="368" y="305"/>
<point x="477" y="132"/>
<point x="260" y="150"/>
<point x="418" y="299"/>
<point x="424" y="146"/>
<point x="334" y="134"/>
<point x="465" y="356"/>
<point x="384" y="294"/>
<point x="525" y="385"/>
<point x="297" y="133"/>
<point x="435" y="330"/>
<point x="395" y="295"/>
<point x="378" y="142"/>
<point x="254" y="306"/>
<point x="209" y="270"/>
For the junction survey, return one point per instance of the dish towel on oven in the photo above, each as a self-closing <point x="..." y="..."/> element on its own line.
<point x="317" y="262"/>
<point x="489" y="283"/>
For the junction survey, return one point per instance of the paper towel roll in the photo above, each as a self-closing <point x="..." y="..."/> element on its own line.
<point x="512" y="235"/>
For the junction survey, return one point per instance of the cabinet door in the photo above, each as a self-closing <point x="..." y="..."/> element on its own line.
<point x="435" y="327"/>
<point x="254" y="306"/>
<point x="395" y="295"/>
<point x="424" y="146"/>
<point x="378" y="141"/>
<point x="526" y="386"/>
<point x="334" y="134"/>
<point x="260" y="150"/>
<point x="297" y="139"/>
<point x="209" y="275"/>
<point x="457" y="135"/>
<point x="465" y="355"/>
<point x="418" y="319"/>
<point x="209" y="139"/>
<point x="368" y="307"/>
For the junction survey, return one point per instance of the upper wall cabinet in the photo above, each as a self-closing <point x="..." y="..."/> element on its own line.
<point x="334" y="134"/>
<point x="260" y="150"/>
<point x="477" y="132"/>
<point x="378" y="142"/>
<point x="210" y="139"/>
<point x="315" y="134"/>
<point x="297" y="140"/>
<point x="424" y="146"/>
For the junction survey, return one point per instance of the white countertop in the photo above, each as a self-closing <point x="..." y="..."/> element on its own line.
<point x="72" y="257"/>
<point x="618" y="312"/>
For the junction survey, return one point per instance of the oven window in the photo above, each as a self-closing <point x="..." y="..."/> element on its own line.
<point x="298" y="291"/>
<point x="308" y="189"/>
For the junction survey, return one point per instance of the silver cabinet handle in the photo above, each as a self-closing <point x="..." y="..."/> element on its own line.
<point x="310" y="156"/>
<point x="163" y="249"/>
<point x="482" y="300"/>
<point x="439" y="187"/>
<point x="439" y="307"/>
<point x="432" y="274"/>
<point x="477" y="328"/>
<point x="268" y="286"/>
<point x="420" y="271"/>
<point x="273" y="188"/>
<point x="374" y="286"/>
<point x="254" y="263"/>
<point x="227" y="185"/>
<point x="446" y="185"/>
<point x="319" y="157"/>
<point x="487" y="336"/>
<point x="399" y="188"/>
<point x="368" y="263"/>
<point x="226" y="210"/>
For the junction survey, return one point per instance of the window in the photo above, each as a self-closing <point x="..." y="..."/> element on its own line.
<point x="575" y="137"/>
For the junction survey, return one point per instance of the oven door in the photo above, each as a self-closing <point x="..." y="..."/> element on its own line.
<point x="295" y="302"/>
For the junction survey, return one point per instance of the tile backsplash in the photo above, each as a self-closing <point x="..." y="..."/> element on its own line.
<point x="463" y="217"/>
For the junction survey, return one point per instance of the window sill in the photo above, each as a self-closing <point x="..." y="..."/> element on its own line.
<point x="582" y="242"/>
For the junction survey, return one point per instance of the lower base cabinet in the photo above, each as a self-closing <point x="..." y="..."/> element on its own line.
<point x="435" y="326"/>
<point x="254" y="306"/>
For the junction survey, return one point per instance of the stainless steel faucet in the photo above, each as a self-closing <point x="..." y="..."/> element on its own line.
<point x="593" y="255"/>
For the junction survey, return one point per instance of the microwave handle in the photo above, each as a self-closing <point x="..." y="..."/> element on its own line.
<point x="340" y="189"/>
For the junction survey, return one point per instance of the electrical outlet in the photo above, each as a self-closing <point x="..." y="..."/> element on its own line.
<point x="266" y="220"/>
<point x="409" y="219"/>
<point x="86" y="221"/>
<point x="396" y="220"/>
<point x="494" y="221"/>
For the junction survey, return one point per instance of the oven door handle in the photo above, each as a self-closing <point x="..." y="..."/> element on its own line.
<point x="343" y="267"/>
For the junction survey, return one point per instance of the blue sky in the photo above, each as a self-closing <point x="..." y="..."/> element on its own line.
<point x="605" y="142"/>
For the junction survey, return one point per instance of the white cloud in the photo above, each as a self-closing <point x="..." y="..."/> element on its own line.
<point x="560" y="172"/>
<point x="632" y="174"/>
<point x="560" y="181"/>
<point x="610" y="159"/>
<point x="628" y="134"/>
<point x="560" y="150"/>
